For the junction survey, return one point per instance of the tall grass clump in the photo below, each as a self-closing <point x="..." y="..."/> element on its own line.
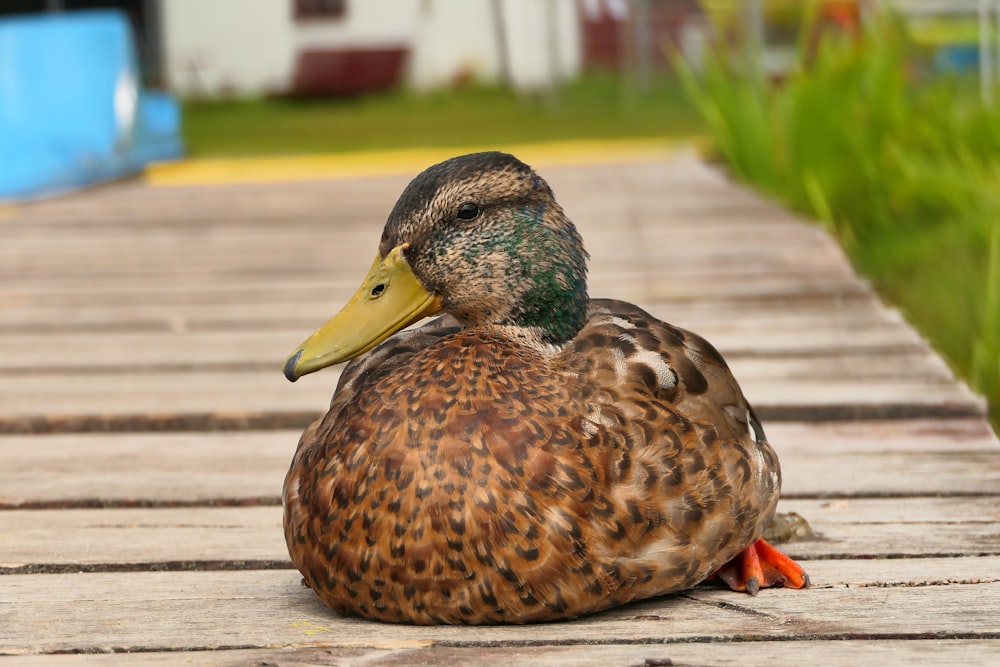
<point x="903" y="165"/>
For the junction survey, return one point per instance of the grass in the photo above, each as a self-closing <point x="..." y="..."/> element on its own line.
<point x="902" y="166"/>
<point x="599" y="106"/>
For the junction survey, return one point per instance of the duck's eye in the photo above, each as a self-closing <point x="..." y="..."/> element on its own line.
<point x="467" y="211"/>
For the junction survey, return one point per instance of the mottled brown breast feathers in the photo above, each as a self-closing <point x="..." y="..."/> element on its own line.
<point x="463" y="477"/>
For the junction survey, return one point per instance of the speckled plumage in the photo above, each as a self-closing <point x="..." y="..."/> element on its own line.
<point x="532" y="455"/>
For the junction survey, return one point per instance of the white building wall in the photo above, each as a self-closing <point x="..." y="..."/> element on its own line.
<point x="454" y="41"/>
<point x="249" y="47"/>
<point x="458" y="39"/>
<point x="545" y="41"/>
<point x="372" y="23"/>
<point x="227" y="47"/>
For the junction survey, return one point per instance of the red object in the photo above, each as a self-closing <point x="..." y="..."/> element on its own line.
<point x="609" y="36"/>
<point x="845" y="13"/>
<point x="348" y="71"/>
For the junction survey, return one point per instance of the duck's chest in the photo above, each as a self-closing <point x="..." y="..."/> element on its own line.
<point x="468" y="412"/>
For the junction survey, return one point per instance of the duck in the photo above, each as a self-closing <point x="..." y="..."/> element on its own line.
<point x="531" y="454"/>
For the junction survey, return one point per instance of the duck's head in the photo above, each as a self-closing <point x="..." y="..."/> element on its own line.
<point x="478" y="236"/>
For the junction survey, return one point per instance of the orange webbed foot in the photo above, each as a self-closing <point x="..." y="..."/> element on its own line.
<point x="760" y="565"/>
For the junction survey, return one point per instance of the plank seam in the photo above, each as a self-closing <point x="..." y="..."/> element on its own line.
<point x="253" y="501"/>
<point x="543" y="643"/>
<point x="281" y="420"/>
<point x="138" y="503"/>
<point x="148" y="566"/>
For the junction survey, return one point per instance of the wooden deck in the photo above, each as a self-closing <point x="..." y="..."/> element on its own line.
<point x="145" y="429"/>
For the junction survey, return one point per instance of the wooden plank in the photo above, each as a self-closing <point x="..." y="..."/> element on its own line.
<point x="843" y="459"/>
<point x="281" y="283"/>
<point x="175" y="538"/>
<point x="736" y="328"/>
<point x="680" y="230"/>
<point x="144" y="468"/>
<point x="627" y="284"/>
<point x="679" y="234"/>
<point x="176" y="392"/>
<point x="616" y="277"/>
<point x="872" y="573"/>
<point x="165" y="278"/>
<point x="44" y="540"/>
<point x="310" y="246"/>
<point x="787" y="386"/>
<point x="678" y="182"/>
<point x="287" y="253"/>
<point x="139" y="611"/>
<point x="32" y="401"/>
<point x="906" y="457"/>
<point x="907" y="610"/>
<point x="214" y="244"/>
<point x="903" y="353"/>
<point x="142" y="611"/>
<point x="837" y="653"/>
<point x="139" y="204"/>
<point x="595" y="203"/>
<point x="180" y="341"/>
<point x="23" y="313"/>
<point x="913" y="526"/>
<point x="683" y="191"/>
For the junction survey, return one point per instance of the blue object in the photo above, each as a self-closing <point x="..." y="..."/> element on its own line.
<point x="957" y="58"/>
<point x="72" y="111"/>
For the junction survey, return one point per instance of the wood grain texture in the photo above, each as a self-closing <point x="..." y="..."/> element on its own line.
<point x="819" y="459"/>
<point x="139" y="321"/>
<point x="835" y="653"/>
<point x="92" y="351"/>
<point x="180" y="538"/>
<point x="780" y="390"/>
<point x="153" y="611"/>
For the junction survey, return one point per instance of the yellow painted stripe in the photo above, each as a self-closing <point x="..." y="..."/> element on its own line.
<point x="214" y="171"/>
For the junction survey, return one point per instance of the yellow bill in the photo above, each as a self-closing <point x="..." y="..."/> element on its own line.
<point x="389" y="299"/>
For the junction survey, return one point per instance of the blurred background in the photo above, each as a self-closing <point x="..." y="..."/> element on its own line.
<point x="879" y="119"/>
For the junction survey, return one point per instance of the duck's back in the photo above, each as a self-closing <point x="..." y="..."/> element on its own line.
<point x="462" y="477"/>
<point x="690" y="462"/>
